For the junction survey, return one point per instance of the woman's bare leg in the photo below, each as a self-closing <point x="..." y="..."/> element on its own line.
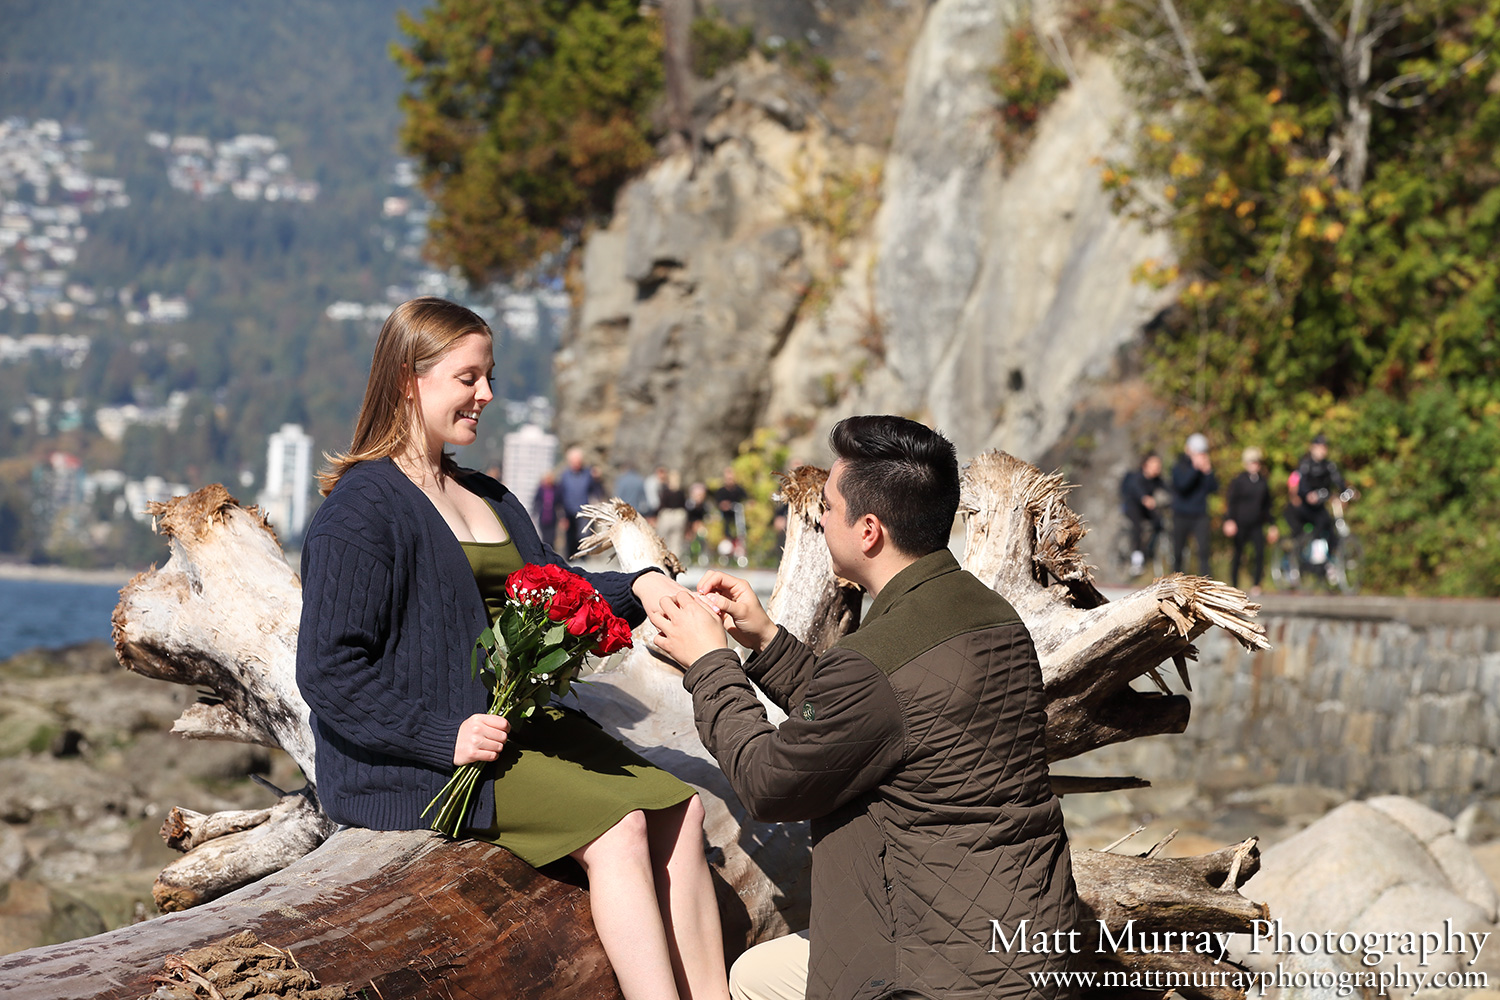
<point x="622" y="898"/>
<point x="689" y="909"/>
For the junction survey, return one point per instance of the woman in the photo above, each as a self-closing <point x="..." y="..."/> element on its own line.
<point x="398" y="566"/>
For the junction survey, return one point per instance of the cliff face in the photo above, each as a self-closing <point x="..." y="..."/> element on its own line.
<point x="764" y="288"/>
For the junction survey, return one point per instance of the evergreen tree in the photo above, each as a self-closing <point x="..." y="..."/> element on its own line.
<point x="525" y="116"/>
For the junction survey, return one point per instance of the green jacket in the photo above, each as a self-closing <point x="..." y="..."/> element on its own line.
<point x="916" y="747"/>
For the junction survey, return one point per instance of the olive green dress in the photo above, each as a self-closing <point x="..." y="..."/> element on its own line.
<point x="561" y="781"/>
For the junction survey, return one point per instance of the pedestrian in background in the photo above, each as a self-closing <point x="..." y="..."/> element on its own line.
<point x="1248" y="517"/>
<point x="630" y="486"/>
<point x="1193" y="482"/>
<point x="547" y="509"/>
<point x="671" y="513"/>
<point x="1138" y="491"/>
<point x="578" y="485"/>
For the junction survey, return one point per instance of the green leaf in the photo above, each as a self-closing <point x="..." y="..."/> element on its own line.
<point x="555" y="635"/>
<point x="552" y="662"/>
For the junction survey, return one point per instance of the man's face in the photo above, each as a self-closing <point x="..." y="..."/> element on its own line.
<point x="575" y="459"/>
<point x="842" y="537"/>
<point x="1152" y="467"/>
<point x="1318" y="452"/>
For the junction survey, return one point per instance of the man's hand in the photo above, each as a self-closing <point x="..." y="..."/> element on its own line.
<point x="688" y="627"/>
<point x="650" y="588"/>
<point x="1230" y="529"/>
<point x="743" y="616"/>
<point x="1148" y="501"/>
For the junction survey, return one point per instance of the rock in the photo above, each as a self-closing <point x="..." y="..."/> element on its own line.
<point x="33" y="914"/>
<point x="756" y="289"/>
<point x="13" y="855"/>
<point x="1478" y="823"/>
<point x="1362" y="869"/>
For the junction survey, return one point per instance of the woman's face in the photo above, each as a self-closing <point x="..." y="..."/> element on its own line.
<point x="452" y="394"/>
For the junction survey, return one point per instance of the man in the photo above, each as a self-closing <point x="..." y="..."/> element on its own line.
<point x="576" y="486"/>
<point x="915" y="746"/>
<point x="730" y="499"/>
<point x="630" y="486"/>
<point x="1138" y="503"/>
<point x="1248" y="518"/>
<point x="1319" y="478"/>
<point x="1193" y="482"/>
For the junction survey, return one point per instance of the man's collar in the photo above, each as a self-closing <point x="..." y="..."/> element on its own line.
<point x="929" y="567"/>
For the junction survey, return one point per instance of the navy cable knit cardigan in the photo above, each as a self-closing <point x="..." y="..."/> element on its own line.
<point x="390" y="611"/>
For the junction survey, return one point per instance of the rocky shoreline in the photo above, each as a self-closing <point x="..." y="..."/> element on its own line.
<point x="118" y="576"/>
<point x="88" y="771"/>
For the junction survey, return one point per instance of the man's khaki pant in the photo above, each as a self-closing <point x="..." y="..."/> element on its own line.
<point x="775" y="970"/>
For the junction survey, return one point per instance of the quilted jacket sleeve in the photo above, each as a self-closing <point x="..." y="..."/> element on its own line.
<point x="843" y="738"/>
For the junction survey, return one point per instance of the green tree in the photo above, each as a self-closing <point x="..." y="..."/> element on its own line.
<point x="1329" y="178"/>
<point x="525" y="116"/>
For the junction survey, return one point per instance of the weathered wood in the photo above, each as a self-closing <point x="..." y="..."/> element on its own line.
<point x="1154" y="896"/>
<point x="808" y="600"/>
<point x="228" y="850"/>
<point x="412" y="915"/>
<point x="221" y="614"/>
<point x="1021" y="535"/>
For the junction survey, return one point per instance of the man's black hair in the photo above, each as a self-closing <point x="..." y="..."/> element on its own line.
<point x="902" y="472"/>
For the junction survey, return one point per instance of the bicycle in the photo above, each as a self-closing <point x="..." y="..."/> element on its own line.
<point x="1311" y="559"/>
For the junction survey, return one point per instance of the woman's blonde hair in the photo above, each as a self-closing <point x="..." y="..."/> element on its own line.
<point x="414" y="338"/>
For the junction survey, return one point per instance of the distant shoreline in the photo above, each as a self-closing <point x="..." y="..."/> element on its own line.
<point x="65" y="574"/>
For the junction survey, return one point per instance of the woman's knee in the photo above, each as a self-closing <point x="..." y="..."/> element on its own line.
<point x="626" y="839"/>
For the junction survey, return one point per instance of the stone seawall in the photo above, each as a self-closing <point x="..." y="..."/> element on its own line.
<point x="1367" y="696"/>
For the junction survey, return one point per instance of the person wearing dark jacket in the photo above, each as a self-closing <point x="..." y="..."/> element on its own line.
<point x="1318" y="479"/>
<point x="547" y="509"/>
<point x="403" y="566"/>
<point x="1248" y="517"/>
<point x="1138" y="503"/>
<point x="916" y="746"/>
<point x="1193" y="482"/>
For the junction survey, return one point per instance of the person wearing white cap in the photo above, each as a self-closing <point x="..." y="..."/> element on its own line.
<point x="1193" y="482"/>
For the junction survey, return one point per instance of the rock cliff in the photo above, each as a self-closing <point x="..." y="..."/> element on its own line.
<point x="797" y="274"/>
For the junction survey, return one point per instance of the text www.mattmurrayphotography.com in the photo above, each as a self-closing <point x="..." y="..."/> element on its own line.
<point x="1266" y="936"/>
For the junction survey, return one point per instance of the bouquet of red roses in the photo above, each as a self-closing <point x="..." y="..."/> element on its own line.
<point x="533" y="650"/>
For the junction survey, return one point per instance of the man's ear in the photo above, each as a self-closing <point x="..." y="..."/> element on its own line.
<point x="871" y="533"/>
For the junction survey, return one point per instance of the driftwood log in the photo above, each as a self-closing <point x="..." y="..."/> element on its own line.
<point x="416" y="915"/>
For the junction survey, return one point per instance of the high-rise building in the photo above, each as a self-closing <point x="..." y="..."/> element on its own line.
<point x="529" y="452"/>
<point x="288" y="480"/>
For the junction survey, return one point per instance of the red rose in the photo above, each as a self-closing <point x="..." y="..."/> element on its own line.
<point x="567" y="601"/>
<point x="582" y="621"/>
<point x="527" y="578"/>
<point x="616" y="636"/>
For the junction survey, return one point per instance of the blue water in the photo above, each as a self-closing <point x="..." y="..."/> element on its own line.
<point x="49" y="614"/>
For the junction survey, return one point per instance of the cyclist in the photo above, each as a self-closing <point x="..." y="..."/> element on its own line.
<point x="1138" y="491"/>
<point x="1318" y="479"/>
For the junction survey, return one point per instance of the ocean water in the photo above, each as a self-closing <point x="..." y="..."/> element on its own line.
<point x="49" y="613"/>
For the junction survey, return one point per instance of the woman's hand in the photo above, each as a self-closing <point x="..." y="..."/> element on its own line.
<point x="689" y="628"/>
<point x="480" y="739"/>
<point x="743" y="615"/>
<point x="650" y="588"/>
